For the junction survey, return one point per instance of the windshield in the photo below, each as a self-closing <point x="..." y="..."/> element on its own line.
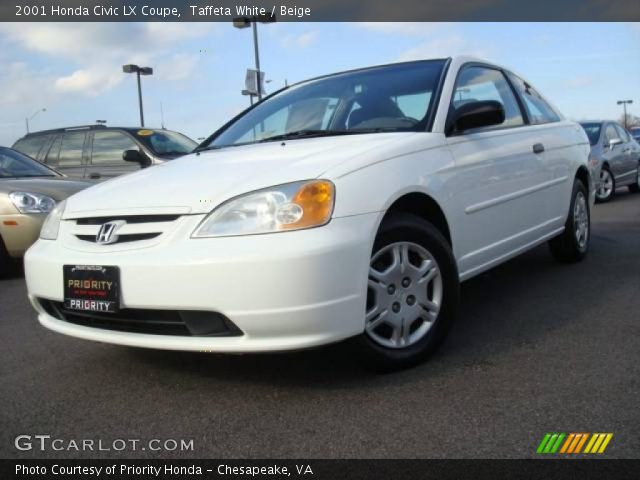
<point x="166" y="142"/>
<point x="593" y="131"/>
<point x="388" y="98"/>
<point x="14" y="164"/>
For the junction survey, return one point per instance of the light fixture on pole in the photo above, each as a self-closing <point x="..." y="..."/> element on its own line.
<point x="28" y="119"/>
<point x="138" y="71"/>
<point x="246" y="22"/>
<point x="624" y="104"/>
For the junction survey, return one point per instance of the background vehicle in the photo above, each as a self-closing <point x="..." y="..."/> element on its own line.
<point x="351" y="205"/>
<point x="28" y="192"/>
<point x="98" y="151"/>
<point x="614" y="158"/>
<point x="635" y="133"/>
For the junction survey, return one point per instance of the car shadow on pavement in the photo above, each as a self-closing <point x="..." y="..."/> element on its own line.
<point x="512" y="307"/>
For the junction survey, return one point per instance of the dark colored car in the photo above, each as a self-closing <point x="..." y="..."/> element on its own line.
<point x="635" y="133"/>
<point x="100" y="152"/>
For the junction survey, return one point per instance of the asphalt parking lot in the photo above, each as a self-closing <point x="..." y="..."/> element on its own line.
<point x="538" y="347"/>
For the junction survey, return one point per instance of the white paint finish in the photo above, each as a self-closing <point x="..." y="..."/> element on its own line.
<point x="305" y="288"/>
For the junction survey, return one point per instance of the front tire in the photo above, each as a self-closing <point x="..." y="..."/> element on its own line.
<point x="572" y="244"/>
<point x="412" y="297"/>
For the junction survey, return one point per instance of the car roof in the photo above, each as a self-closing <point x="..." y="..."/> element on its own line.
<point x="83" y="128"/>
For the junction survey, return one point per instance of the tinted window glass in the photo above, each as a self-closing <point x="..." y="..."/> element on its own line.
<point x="109" y="146"/>
<point x="538" y="109"/>
<point x="389" y="98"/>
<point x="15" y="165"/>
<point x="31" y="146"/>
<point x="610" y="133"/>
<point x="481" y="84"/>
<point x="593" y="131"/>
<point x="71" y="150"/>
<point x="166" y="142"/>
<point x="622" y="133"/>
<point x="52" y="155"/>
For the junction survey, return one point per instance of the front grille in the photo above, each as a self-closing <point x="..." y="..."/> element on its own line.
<point x="127" y="218"/>
<point x="133" y="228"/>
<point x="156" y="322"/>
<point x="134" y="237"/>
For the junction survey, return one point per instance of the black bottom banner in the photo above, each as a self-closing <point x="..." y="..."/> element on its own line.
<point x="321" y="469"/>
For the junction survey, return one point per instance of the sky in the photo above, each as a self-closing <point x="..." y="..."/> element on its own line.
<point x="75" y="70"/>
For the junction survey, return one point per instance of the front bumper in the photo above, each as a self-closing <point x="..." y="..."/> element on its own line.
<point x="283" y="291"/>
<point x="19" y="231"/>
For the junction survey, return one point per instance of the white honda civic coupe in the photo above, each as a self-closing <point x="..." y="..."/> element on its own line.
<point x="350" y="205"/>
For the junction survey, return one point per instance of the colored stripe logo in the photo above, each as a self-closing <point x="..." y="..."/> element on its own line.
<point x="574" y="443"/>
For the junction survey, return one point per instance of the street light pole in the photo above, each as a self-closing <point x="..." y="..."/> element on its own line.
<point x="140" y="99"/>
<point x="27" y="119"/>
<point x="254" y="24"/>
<point x="624" y="104"/>
<point x="244" y="22"/>
<point x="138" y="71"/>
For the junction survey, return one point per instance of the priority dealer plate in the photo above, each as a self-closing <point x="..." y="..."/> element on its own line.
<point x="91" y="288"/>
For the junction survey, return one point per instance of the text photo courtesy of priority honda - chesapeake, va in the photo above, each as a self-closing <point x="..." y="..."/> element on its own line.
<point x="319" y="240"/>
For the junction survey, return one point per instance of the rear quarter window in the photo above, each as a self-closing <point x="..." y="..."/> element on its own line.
<point x="32" y="146"/>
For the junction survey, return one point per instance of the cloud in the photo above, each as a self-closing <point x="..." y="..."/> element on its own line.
<point x="91" y="82"/>
<point x="93" y="53"/>
<point x="177" y="67"/>
<point x="412" y="29"/>
<point x="580" y="81"/>
<point x="300" y="40"/>
<point x="441" y="47"/>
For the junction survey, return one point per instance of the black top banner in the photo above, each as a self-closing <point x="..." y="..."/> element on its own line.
<point x="318" y="10"/>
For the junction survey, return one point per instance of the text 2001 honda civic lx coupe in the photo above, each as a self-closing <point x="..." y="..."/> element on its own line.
<point x="351" y="205"/>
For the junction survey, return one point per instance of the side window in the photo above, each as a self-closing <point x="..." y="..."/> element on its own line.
<point x="109" y="146"/>
<point x="32" y="146"/>
<point x="481" y="84"/>
<point x="610" y="133"/>
<point x="538" y="109"/>
<point x="622" y="133"/>
<point x="71" y="149"/>
<point x="52" y="155"/>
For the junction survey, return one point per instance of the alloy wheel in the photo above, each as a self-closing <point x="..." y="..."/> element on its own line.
<point x="606" y="185"/>
<point x="581" y="220"/>
<point x="404" y="295"/>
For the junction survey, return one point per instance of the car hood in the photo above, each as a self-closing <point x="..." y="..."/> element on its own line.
<point x="57" y="188"/>
<point x="197" y="183"/>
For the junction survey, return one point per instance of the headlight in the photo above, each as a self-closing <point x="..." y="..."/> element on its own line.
<point x="51" y="224"/>
<point x="286" y="207"/>
<point x="32" y="202"/>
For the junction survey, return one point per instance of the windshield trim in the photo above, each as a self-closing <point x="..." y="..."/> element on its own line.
<point x="434" y="101"/>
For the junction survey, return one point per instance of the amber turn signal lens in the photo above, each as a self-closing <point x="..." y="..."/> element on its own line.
<point x="316" y="199"/>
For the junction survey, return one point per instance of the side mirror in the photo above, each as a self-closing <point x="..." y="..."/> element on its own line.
<point x="136" y="156"/>
<point x="615" y="141"/>
<point x="477" y="114"/>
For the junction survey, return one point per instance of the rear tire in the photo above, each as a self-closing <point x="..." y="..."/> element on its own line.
<point x="413" y="293"/>
<point x="635" y="187"/>
<point x="5" y="261"/>
<point x="572" y="245"/>
<point x="607" y="188"/>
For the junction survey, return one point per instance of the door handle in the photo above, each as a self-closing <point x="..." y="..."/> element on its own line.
<point x="94" y="175"/>
<point x="538" y="148"/>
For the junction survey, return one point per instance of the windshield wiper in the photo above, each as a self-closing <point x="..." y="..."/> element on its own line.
<point x="306" y="133"/>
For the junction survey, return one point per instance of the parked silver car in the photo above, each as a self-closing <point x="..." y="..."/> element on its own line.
<point x="614" y="160"/>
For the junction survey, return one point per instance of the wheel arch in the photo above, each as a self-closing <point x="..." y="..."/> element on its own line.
<point x="424" y="206"/>
<point x="583" y="175"/>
